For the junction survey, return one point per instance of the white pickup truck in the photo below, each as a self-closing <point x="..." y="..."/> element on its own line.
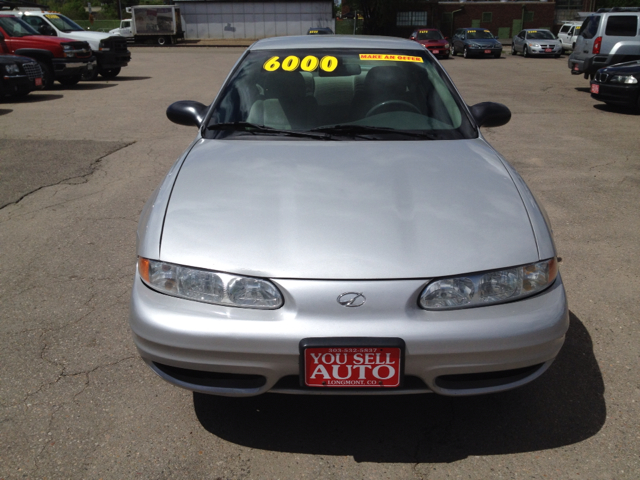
<point x="568" y="34"/>
<point x="160" y="24"/>
<point x="111" y="51"/>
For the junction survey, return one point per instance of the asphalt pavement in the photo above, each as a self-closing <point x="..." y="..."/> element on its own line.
<point x="76" y="401"/>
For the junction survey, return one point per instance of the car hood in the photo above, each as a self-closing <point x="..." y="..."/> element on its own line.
<point x="90" y="37"/>
<point x="484" y="41"/>
<point x="433" y="43"/>
<point x="627" y="68"/>
<point x="346" y="209"/>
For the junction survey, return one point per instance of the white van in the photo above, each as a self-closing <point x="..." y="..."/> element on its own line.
<point x="568" y="34"/>
<point x="607" y="37"/>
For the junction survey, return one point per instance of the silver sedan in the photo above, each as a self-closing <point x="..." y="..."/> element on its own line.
<point x="536" y="42"/>
<point x="339" y="225"/>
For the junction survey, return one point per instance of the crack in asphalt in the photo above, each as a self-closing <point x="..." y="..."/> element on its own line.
<point x="93" y="166"/>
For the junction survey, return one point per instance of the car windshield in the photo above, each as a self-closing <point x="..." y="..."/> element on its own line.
<point x="62" y="23"/>
<point x="429" y="35"/>
<point x="340" y="93"/>
<point x="540" y="35"/>
<point x="16" y="27"/>
<point x="477" y="34"/>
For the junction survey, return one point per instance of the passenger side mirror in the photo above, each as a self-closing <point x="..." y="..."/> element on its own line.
<point x="412" y="37"/>
<point x="490" y="114"/>
<point x="187" y="112"/>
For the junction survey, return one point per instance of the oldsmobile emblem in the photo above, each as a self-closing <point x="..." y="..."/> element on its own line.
<point x="352" y="299"/>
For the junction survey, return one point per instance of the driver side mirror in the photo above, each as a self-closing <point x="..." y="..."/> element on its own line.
<point x="187" y="112"/>
<point x="46" y="30"/>
<point x="490" y="114"/>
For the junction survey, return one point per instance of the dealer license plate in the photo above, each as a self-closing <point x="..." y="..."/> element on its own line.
<point x="435" y="51"/>
<point x="595" y="88"/>
<point x="548" y="50"/>
<point x="38" y="82"/>
<point x="487" y="51"/>
<point x="576" y="67"/>
<point x="349" y="367"/>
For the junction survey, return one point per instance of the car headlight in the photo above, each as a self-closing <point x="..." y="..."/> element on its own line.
<point x="534" y="45"/>
<point x="102" y="47"/>
<point x="628" y="79"/>
<point x="12" y="68"/>
<point x="446" y="45"/>
<point x="208" y="286"/>
<point x="474" y="45"/>
<point x="489" y="288"/>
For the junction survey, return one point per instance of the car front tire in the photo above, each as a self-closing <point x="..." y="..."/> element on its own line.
<point x="70" y="81"/>
<point x="47" y="75"/>
<point x="513" y="49"/>
<point x="110" y="72"/>
<point x="525" y="51"/>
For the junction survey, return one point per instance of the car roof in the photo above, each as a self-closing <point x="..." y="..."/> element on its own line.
<point x="335" y="41"/>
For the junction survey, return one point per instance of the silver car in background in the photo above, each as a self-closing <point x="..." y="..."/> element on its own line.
<point x="536" y="42"/>
<point x="339" y="225"/>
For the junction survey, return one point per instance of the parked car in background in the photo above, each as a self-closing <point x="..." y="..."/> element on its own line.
<point x="376" y="244"/>
<point x="536" y="42"/>
<point x="19" y="75"/>
<point x="60" y="59"/>
<point x="568" y="34"/>
<point x="607" y="37"/>
<point x="110" y="50"/>
<point x="320" y="31"/>
<point x="433" y="40"/>
<point x="475" y="42"/>
<point x="618" y="85"/>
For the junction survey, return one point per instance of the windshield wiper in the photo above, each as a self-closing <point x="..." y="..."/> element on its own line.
<point x="362" y="130"/>
<point x="254" y="129"/>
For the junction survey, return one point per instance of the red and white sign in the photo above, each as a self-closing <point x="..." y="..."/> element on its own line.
<point x="595" y="88"/>
<point x="352" y="367"/>
<point x="487" y="51"/>
<point x="548" y="50"/>
<point x="38" y="82"/>
<point x="435" y="51"/>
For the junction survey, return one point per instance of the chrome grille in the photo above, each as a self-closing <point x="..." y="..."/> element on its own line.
<point x="601" y="77"/>
<point x="32" y="70"/>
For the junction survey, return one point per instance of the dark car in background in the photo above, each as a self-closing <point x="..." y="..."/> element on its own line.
<point x="475" y="42"/>
<point x="433" y="40"/>
<point x="19" y="75"/>
<point x="618" y="85"/>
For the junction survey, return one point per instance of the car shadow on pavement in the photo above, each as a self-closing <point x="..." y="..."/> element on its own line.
<point x="564" y="406"/>
<point x="4" y="111"/>
<point x="86" y="86"/>
<point x="36" y="97"/>
<point x="617" y="109"/>
<point x="122" y="79"/>
<point x="583" y="89"/>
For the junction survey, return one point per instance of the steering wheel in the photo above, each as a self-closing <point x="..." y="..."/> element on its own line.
<point x="393" y="103"/>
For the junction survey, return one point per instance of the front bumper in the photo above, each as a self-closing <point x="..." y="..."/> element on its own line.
<point x="523" y="336"/>
<point x="482" y="52"/>
<point x="20" y="83"/>
<point x="439" y="51"/>
<point x="108" y="60"/>
<point x="617" y="94"/>
<point x="70" y="67"/>
<point x="542" y="51"/>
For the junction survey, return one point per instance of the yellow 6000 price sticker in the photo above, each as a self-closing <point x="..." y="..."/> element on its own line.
<point x="307" y="64"/>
